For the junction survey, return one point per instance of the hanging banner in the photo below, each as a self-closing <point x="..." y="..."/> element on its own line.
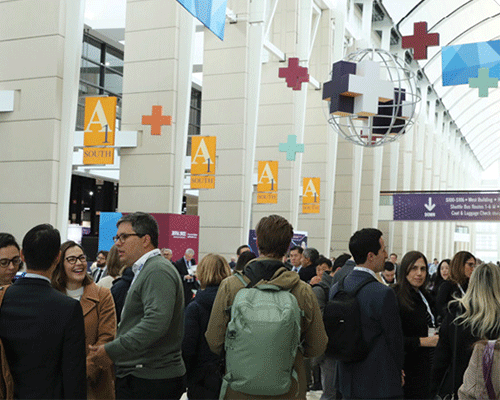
<point x="99" y="129"/>
<point x="211" y="13"/>
<point x="267" y="184"/>
<point x="203" y="153"/>
<point x="310" y="195"/>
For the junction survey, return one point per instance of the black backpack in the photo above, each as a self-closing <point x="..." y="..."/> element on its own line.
<point x="342" y="319"/>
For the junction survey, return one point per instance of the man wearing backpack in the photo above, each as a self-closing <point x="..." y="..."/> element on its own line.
<point x="378" y="375"/>
<point x="281" y="319"/>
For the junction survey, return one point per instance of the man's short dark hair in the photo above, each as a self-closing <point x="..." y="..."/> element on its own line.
<point x="243" y="246"/>
<point x="104" y="253"/>
<point x="393" y="254"/>
<point x="6" y="240"/>
<point x="341" y="260"/>
<point x="324" y="260"/>
<point x="274" y="234"/>
<point x="142" y="224"/>
<point x="311" y="254"/>
<point x="388" y="266"/>
<point x="41" y="247"/>
<point x="364" y="241"/>
<point x="298" y="248"/>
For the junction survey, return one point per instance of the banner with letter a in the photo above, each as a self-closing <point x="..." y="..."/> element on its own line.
<point x="310" y="195"/>
<point x="203" y="152"/>
<point x="267" y="184"/>
<point x="99" y="131"/>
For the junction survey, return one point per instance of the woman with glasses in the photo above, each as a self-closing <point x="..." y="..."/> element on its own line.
<point x="70" y="277"/>
<point x="10" y="258"/>
<point x="474" y="317"/>
<point x="461" y="268"/>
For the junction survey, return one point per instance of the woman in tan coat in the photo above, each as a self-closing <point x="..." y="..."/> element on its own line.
<point x="71" y="278"/>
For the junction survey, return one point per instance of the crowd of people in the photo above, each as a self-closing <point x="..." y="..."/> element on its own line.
<point x="137" y="325"/>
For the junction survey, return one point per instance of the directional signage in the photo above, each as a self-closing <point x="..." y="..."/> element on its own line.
<point x="446" y="207"/>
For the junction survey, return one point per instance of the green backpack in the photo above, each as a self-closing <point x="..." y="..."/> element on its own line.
<point x="262" y="339"/>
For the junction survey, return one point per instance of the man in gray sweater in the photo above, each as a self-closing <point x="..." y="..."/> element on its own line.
<point x="147" y="348"/>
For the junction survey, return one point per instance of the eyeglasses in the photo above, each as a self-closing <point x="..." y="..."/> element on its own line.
<point x="470" y="264"/>
<point x="122" y="237"/>
<point x="16" y="262"/>
<point x="72" y="259"/>
<point x="101" y="258"/>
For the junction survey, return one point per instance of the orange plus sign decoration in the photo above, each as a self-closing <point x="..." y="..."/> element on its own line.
<point x="156" y="120"/>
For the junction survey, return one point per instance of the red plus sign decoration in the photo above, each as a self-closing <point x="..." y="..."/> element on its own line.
<point x="156" y="120"/>
<point x="294" y="74"/>
<point x="420" y="40"/>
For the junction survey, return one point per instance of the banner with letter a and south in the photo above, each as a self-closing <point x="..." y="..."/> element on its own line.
<point x="267" y="184"/>
<point x="310" y="195"/>
<point x="99" y="131"/>
<point x="203" y="152"/>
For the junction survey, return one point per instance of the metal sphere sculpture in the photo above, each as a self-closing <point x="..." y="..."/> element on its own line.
<point x="363" y="107"/>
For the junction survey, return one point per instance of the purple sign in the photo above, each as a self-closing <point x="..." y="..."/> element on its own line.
<point x="446" y="207"/>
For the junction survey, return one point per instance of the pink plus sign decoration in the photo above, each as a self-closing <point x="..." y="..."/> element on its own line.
<point x="294" y="74"/>
<point x="420" y="40"/>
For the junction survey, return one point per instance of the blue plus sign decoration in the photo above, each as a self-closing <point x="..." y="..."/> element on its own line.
<point x="291" y="147"/>
<point x="483" y="82"/>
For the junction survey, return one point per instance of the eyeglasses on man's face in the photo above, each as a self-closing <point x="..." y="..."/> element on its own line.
<point x="73" y="259"/>
<point x="16" y="262"/>
<point x="123" y="236"/>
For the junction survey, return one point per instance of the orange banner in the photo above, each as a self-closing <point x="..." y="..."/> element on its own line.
<point x="310" y="195"/>
<point x="98" y="155"/>
<point x="267" y="184"/>
<point x="202" y="182"/>
<point x="203" y="154"/>
<point x="100" y="118"/>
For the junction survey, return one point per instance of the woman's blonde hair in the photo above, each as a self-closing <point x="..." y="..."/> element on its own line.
<point x="481" y="302"/>
<point x="113" y="262"/>
<point x="212" y="270"/>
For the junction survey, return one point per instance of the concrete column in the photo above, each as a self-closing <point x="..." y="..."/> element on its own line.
<point x="157" y="68"/>
<point x="41" y="63"/>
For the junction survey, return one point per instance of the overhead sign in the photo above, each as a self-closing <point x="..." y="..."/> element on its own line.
<point x="203" y="152"/>
<point x="310" y="195"/>
<point x="446" y="207"/>
<point x="267" y="184"/>
<point x="99" y="130"/>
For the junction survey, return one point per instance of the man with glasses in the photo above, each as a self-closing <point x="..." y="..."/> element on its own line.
<point x="101" y="270"/>
<point x="147" y="348"/>
<point x="10" y="258"/>
<point x="41" y="328"/>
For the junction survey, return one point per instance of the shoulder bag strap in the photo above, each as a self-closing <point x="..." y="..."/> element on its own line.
<point x="454" y="361"/>
<point x="487" y="366"/>
<point x="3" y="289"/>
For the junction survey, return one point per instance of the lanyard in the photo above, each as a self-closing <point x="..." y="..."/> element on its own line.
<point x="428" y="307"/>
<point x="460" y="287"/>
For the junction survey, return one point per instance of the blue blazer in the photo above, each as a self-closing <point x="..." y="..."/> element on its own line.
<point x="378" y="376"/>
<point x="44" y="338"/>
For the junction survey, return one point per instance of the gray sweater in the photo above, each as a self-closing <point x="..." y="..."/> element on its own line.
<point x="149" y="338"/>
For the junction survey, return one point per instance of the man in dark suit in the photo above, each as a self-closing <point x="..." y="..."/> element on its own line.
<point x="42" y="329"/>
<point x="379" y="375"/>
<point x="188" y="281"/>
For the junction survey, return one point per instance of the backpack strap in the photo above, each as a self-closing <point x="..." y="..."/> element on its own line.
<point x="487" y="367"/>
<point x="240" y="277"/>
<point x="3" y="289"/>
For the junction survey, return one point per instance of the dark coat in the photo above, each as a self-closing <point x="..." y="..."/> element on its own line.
<point x="381" y="327"/>
<point x="307" y="273"/>
<point x="344" y="271"/>
<point x="418" y="360"/>
<point x="202" y="365"/>
<point x="188" y="287"/>
<point x="119" y="290"/>
<point x="44" y="338"/>
<point x="447" y="292"/>
<point x="322" y="289"/>
<point x="441" y="374"/>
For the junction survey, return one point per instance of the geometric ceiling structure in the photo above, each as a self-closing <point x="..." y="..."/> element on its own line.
<point x="458" y="22"/>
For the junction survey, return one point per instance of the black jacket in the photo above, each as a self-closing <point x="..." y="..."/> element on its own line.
<point x="307" y="273"/>
<point x="188" y="287"/>
<point x="44" y="338"/>
<point x="119" y="290"/>
<point x="418" y="360"/>
<point x="441" y="375"/>
<point x="202" y="365"/>
<point x="447" y="292"/>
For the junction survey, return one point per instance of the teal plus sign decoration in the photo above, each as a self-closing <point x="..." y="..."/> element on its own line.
<point x="291" y="147"/>
<point x="483" y="82"/>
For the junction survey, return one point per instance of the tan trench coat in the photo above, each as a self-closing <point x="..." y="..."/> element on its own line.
<point x="312" y="327"/>
<point x="100" y="328"/>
